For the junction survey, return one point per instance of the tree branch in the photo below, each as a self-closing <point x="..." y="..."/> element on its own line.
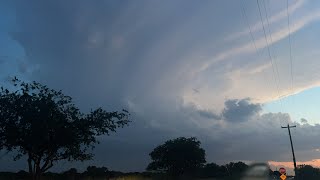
<point x="48" y="167"/>
<point x="48" y="160"/>
<point x="45" y="165"/>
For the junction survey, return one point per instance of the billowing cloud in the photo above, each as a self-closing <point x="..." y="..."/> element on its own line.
<point x="240" y="110"/>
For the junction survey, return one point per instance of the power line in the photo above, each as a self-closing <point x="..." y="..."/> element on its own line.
<point x="246" y="19"/>
<point x="270" y="35"/>
<point x="291" y="72"/>
<point x="250" y="30"/>
<point x="269" y="53"/>
<point x="274" y="55"/>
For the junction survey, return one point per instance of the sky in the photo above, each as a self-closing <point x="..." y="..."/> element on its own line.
<point x="216" y="70"/>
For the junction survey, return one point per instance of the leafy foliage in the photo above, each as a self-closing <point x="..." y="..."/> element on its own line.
<point x="46" y="126"/>
<point x="178" y="156"/>
<point x="212" y="170"/>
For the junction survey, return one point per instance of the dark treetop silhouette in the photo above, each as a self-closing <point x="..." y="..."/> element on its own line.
<point x="178" y="156"/>
<point x="44" y="125"/>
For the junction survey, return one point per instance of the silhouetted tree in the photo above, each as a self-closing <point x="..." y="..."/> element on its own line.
<point x="307" y="172"/>
<point x="235" y="169"/>
<point x="177" y="156"/>
<point x="212" y="170"/>
<point x="71" y="171"/>
<point x="96" y="171"/>
<point x="46" y="126"/>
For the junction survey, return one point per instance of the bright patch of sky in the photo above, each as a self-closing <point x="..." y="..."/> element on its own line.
<point x="302" y="105"/>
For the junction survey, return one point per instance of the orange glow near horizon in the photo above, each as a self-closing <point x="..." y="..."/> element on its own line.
<point x="275" y="165"/>
<point x="314" y="163"/>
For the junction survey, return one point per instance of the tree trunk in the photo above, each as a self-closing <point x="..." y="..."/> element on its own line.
<point x="34" y="168"/>
<point x="30" y="165"/>
<point x="38" y="171"/>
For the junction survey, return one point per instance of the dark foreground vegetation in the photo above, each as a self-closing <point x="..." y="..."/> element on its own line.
<point x="209" y="171"/>
<point x="307" y="172"/>
<point x="45" y="126"/>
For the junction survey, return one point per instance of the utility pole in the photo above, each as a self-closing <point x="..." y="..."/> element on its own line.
<point x="294" y="158"/>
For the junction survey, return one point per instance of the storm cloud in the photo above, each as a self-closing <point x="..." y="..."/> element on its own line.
<point x="148" y="57"/>
<point x="240" y="110"/>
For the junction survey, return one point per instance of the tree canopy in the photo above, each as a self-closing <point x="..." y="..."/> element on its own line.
<point x="177" y="156"/>
<point x="96" y="171"/>
<point x="307" y="172"/>
<point x="46" y="126"/>
<point x="213" y="170"/>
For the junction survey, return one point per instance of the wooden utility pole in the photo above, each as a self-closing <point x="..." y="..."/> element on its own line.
<point x="294" y="158"/>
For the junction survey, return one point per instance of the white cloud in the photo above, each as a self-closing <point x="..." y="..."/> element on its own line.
<point x="282" y="15"/>
<point x="260" y="68"/>
<point x="261" y="41"/>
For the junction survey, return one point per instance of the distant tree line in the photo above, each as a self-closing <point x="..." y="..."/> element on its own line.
<point x="307" y="172"/>
<point x="210" y="170"/>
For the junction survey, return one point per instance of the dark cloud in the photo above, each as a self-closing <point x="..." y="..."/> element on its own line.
<point x="240" y="110"/>
<point x="208" y="114"/>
